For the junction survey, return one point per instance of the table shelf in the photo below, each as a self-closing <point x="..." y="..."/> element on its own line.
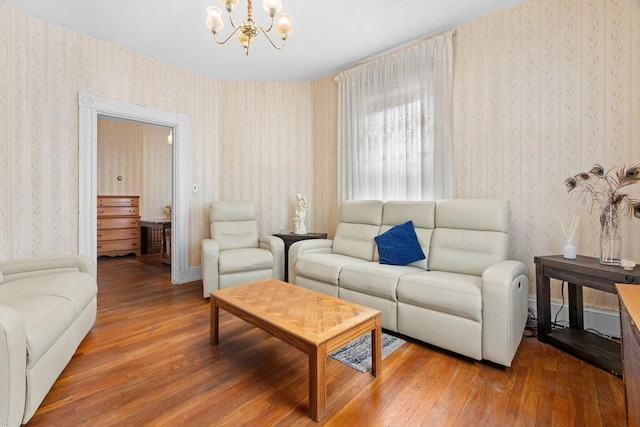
<point x="578" y="273"/>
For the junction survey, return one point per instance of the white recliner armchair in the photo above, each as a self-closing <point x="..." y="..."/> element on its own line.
<point x="236" y="253"/>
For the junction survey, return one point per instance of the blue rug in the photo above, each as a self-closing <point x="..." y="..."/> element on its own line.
<point x="357" y="353"/>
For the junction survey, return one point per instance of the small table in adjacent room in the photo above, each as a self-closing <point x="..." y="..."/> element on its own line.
<point x="289" y="239"/>
<point x="578" y="273"/>
<point x="156" y="237"/>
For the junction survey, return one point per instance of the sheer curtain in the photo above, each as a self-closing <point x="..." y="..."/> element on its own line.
<point x="394" y="125"/>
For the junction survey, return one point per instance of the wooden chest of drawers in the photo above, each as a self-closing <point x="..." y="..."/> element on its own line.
<point x="118" y="225"/>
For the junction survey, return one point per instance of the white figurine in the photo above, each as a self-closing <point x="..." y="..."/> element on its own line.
<point x="301" y="213"/>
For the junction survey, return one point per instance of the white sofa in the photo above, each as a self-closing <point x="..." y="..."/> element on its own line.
<point x="465" y="296"/>
<point x="47" y="307"/>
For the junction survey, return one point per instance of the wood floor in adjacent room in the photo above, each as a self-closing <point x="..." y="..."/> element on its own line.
<point x="147" y="361"/>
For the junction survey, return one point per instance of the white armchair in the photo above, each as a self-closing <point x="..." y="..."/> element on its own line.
<point x="236" y="253"/>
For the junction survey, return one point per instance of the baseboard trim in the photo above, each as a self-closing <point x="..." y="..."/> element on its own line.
<point x="606" y="322"/>
<point x="191" y="275"/>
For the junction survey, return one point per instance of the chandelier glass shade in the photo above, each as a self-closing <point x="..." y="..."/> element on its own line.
<point x="249" y="29"/>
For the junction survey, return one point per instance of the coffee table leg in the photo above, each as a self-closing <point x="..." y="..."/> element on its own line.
<point x="213" y="332"/>
<point x="317" y="386"/>
<point x="376" y="349"/>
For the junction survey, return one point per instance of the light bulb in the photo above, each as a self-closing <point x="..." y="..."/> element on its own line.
<point x="229" y="4"/>
<point x="214" y="19"/>
<point x="284" y="26"/>
<point x="272" y="6"/>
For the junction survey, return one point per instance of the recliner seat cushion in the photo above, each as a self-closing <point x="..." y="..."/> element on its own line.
<point x="245" y="259"/>
<point x="48" y="307"/>
<point x="374" y="279"/>
<point x="324" y="267"/>
<point x="452" y="293"/>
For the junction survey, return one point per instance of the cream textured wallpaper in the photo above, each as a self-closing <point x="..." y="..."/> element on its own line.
<point x="543" y="91"/>
<point x="248" y="140"/>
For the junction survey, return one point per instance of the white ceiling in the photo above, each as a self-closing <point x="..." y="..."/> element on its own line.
<point x="328" y="35"/>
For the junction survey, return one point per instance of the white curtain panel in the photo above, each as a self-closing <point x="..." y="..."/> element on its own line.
<point x="394" y="125"/>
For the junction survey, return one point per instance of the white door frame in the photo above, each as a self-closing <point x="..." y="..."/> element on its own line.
<point x="90" y="106"/>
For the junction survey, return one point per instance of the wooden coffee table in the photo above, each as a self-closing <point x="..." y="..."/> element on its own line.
<point x="314" y="323"/>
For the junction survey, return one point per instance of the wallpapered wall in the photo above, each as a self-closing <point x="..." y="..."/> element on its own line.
<point x="543" y="91"/>
<point x="141" y="156"/>
<point x="263" y="155"/>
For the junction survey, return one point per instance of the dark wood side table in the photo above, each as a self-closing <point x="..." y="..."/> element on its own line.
<point x="289" y="239"/>
<point x="578" y="273"/>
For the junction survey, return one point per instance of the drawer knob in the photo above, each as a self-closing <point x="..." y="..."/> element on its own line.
<point x="131" y="210"/>
<point x="100" y="211"/>
<point x="630" y="279"/>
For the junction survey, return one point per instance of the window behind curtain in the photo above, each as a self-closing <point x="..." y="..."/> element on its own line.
<point x="394" y="125"/>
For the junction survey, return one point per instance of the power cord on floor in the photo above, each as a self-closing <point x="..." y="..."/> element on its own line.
<point x="555" y="320"/>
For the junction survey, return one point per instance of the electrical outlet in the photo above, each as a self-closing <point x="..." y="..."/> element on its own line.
<point x="195" y="188"/>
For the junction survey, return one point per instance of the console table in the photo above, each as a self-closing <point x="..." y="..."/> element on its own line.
<point x="289" y="239"/>
<point x="578" y="273"/>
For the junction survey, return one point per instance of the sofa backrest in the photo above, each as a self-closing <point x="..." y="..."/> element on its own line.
<point x="422" y="214"/>
<point x="234" y="224"/>
<point x="359" y="224"/>
<point x="470" y="235"/>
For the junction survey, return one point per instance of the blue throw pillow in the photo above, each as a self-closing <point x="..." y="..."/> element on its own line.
<point x="399" y="245"/>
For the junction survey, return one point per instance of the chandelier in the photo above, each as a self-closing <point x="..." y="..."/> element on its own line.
<point x="249" y="29"/>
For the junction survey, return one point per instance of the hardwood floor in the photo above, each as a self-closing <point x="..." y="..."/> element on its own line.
<point x="148" y="361"/>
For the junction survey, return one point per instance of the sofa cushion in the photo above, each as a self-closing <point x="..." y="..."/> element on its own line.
<point x="323" y="267"/>
<point x="470" y="235"/>
<point x="399" y="245"/>
<point x="48" y="307"/>
<point x="245" y="259"/>
<point x="233" y="224"/>
<point x="374" y="279"/>
<point x="455" y="294"/>
<point x="359" y="223"/>
<point x="474" y="214"/>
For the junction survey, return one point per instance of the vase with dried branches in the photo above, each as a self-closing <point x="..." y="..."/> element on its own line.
<point x="602" y="190"/>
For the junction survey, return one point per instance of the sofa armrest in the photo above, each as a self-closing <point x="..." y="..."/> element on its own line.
<point x="505" y="290"/>
<point x="276" y="246"/>
<point x="16" y="269"/>
<point x="209" y="254"/>
<point x="13" y="353"/>
<point x="299" y="248"/>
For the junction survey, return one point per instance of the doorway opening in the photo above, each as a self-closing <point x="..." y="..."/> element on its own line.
<point x="90" y="107"/>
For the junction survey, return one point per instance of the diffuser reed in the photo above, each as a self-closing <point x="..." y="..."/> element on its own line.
<point x="569" y="247"/>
